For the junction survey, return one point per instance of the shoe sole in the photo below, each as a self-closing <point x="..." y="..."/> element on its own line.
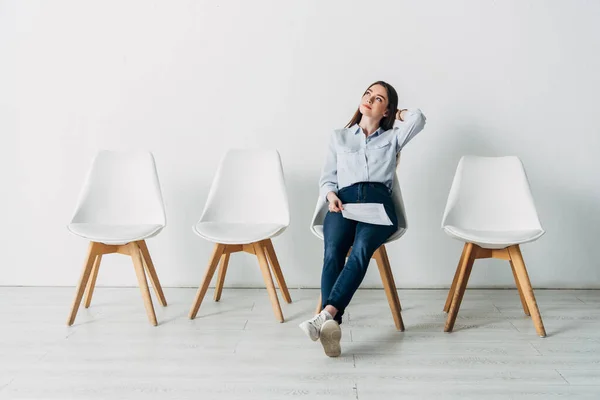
<point x="331" y="334"/>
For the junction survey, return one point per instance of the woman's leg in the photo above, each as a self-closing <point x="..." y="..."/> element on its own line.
<point x="338" y="233"/>
<point x="368" y="239"/>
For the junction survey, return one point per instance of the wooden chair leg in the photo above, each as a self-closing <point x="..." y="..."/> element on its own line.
<point x="152" y="272"/>
<point x="264" y="267"/>
<point x="453" y="287"/>
<point x="389" y="286"/>
<point x="523" y="302"/>
<point x="388" y="268"/>
<point x="461" y="286"/>
<point x="92" y="281"/>
<point x="210" y="271"/>
<point x="272" y="258"/>
<point x="523" y="278"/>
<point x="221" y="276"/>
<point x="85" y="275"/>
<point x="319" y="305"/>
<point x="138" y="264"/>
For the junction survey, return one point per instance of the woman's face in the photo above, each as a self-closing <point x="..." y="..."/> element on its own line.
<point x="374" y="102"/>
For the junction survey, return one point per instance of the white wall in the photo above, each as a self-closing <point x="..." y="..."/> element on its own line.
<point x="190" y="79"/>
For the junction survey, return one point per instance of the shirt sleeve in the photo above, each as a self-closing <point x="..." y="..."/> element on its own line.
<point x="413" y="123"/>
<point x="328" y="181"/>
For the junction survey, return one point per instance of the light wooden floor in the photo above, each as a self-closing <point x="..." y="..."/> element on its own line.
<point x="236" y="350"/>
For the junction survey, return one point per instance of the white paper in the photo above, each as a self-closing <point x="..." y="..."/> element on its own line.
<point x="371" y="213"/>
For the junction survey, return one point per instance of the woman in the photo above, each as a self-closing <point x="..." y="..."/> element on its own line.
<point x="359" y="168"/>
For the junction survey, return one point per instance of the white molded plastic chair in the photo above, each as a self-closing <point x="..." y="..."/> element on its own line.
<point x="247" y="206"/>
<point x="491" y="209"/>
<point x="380" y="255"/>
<point x="120" y="206"/>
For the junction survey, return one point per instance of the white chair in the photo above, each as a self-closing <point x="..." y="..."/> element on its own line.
<point x="491" y="209"/>
<point x="247" y="205"/>
<point x="120" y="206"/>
<point x="380" y="256"/>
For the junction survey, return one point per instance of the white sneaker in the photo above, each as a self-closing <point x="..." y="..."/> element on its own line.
<point x="312" y="327"/>
<point x="331" y="334"/>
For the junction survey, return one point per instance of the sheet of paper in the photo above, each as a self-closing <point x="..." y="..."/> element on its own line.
<point x="371" y="213"/>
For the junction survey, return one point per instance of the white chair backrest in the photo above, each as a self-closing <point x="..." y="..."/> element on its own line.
<point x="121" y="188"/>
<point x="490" y="193"/>
<point x="316" y="225"/>
<point x="248" y="187"/>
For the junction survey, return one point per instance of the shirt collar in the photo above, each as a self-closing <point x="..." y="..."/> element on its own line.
<point x="356" y="129"/>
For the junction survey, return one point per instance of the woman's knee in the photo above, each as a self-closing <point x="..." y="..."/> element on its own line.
<point x="334" y="252"/>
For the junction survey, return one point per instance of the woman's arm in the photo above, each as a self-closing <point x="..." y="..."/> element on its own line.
<point x="328" y="181"/>
<point x="408" y="123"/>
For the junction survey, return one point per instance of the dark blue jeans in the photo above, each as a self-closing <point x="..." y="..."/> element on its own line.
<point x="339" y="282"/>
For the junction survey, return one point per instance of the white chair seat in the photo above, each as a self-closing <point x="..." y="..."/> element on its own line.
<point x="494" y="239"/>
<point x="491" y="194"/>
<point x="318" y="231"/>
<point x="237" y="233"/>
<point x="241" y="208"/>
<point x="121" y="200"/>
<point x="114" y="234"/>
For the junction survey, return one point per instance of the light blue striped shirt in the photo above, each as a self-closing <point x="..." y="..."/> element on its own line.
<point x="353" y="158"/>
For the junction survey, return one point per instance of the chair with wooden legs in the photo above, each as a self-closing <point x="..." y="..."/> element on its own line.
<point x="380" y="255"/>
<point x="491" y="209"/>
<point x="247" y="206"/>
<point x="120" y="206"/>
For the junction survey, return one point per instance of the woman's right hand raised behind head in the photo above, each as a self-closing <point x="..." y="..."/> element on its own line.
<point x="335" y="204"/>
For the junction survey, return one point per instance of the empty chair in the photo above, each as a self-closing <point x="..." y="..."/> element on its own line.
<point x="247" y="206"/>
<point x="120" y="206"/>
<point x="380" y="255"/>
<point x="491" y="209"/>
